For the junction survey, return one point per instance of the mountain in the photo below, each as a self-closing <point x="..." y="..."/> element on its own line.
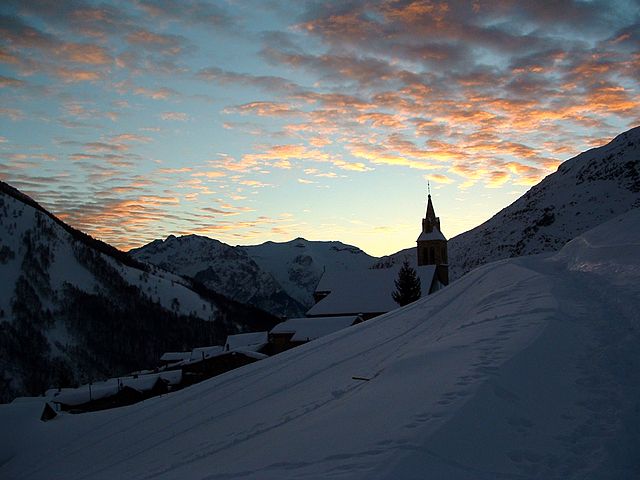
<point x="73" y="308"/>
<point x="277" y="277"/>
<point x="298" y="264"/>
<point x="585" y="191"/>
<point x="223" y="268"/>
<point x="525" y="368"/>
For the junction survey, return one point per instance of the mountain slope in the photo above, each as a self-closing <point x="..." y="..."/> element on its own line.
<point x="525" y="368"/>
<point x="585" y="191"/>
<point x="225" y="269"/>
<point x="73" y="308"/>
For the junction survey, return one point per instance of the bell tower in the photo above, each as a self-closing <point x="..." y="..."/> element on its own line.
<point x="432" y="244"/>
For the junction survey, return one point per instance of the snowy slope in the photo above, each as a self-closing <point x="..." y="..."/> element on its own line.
<point x="298" y="264"/>
<point x="524" y="368"/>
<point x="223" y="268"/>
<point x="585" y="191"/>
<point x="68" y="309"/>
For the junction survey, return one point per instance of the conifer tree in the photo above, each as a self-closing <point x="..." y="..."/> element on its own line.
<point x="407" y="285"/>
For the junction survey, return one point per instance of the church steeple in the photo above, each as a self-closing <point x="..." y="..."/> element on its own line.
<point x="430" y="220"/>
<point x="432" y="244"/>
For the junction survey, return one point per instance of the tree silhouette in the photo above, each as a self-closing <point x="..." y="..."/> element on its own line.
<point x="407" y="285"/>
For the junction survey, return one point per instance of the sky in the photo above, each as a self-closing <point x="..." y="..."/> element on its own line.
<point x="249" y="121"/>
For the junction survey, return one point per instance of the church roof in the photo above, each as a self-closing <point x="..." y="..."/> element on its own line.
<point x="431" y="213"/>
<point x="434" y="234"/>
<point x="364" y="291"/>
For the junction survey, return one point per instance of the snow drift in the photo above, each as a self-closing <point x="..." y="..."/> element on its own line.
<point x="524" y="368"/>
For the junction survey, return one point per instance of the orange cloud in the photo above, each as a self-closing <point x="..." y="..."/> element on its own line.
<point x="84" y="53"/>
<point x="438" y="178"/>
<point x="71" y="75"/>
<point x="264" y="109"/>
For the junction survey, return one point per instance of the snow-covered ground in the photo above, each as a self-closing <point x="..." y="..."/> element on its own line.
<point x="524" y="368"/>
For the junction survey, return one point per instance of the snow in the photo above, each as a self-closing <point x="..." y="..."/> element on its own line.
<point x="175" y="356"/>
<point x="524" y="368"/>
<point x="225" y="269"/>
<point x="305" y="329"/>
<point x="434" y="234"/>
<point x="586" y="191"/>
<point x="247" y="341"/>
<point x="364" y="291"/>
<point x="201" y="353"/>
<point x="107" y="388"/>
<point x="297" y="265"/>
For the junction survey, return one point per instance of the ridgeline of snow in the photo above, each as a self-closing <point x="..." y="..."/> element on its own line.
<point x="225" y="269"/>
<point x="524" y="368"/>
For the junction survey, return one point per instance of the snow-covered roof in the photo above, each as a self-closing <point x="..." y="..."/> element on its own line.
<point x="304" y="329"/>
<point x="434" y="234"/>
<point x="364" y="291"/>
<point x="247" y="341"/>
<point x="201" y="353"/>
<point x="175" y="356"/>
<point x="110" y="387"/>
<point x="251" y="353"/>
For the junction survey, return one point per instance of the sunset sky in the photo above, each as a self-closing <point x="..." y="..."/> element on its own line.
<point x="248" y="121"/>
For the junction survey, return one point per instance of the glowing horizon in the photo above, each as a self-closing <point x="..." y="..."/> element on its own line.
<point x="256" y="121"/>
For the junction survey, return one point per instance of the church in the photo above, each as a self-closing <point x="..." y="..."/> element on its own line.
<point x="367" y="293"/>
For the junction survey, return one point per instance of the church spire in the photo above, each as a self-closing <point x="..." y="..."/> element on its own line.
<point x="431" y="213"/>
<point x="432" y="244"/>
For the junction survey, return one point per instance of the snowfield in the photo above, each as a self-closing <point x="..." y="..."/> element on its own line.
<point x="524" y="368"/>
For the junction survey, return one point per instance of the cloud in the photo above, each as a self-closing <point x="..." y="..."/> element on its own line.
<point x="84" y="53"/>
<point x="11" y="82"/>
<point x="161" y="93"/>
<point x="13" y="113"/>
<point x="129" y="137"/>
<point x="266" y="82"/>
<point x="438" y="178"/>
<point x="174" y="116"/>
<point x="265" y="109"/>
<point x="190" y="12"/>
<point x="167" y="44"/>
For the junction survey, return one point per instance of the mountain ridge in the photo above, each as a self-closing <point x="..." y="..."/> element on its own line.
<point x="585" y="190"/>
<point x="71" y="311"/>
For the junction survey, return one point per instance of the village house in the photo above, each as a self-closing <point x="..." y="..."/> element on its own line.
<point x="297" y="331"/>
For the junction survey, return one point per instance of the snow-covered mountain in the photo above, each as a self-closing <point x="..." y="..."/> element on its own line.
<point x="223" y="268"/>
<point x="585" y="191"/>
<point x="73" y="308"/>
<point x="525" y="368"/>
<point x="298" y="264"/>
<point x="277" y="277"/>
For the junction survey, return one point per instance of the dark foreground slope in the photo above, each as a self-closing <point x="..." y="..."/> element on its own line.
<point x="524" y="369"/>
